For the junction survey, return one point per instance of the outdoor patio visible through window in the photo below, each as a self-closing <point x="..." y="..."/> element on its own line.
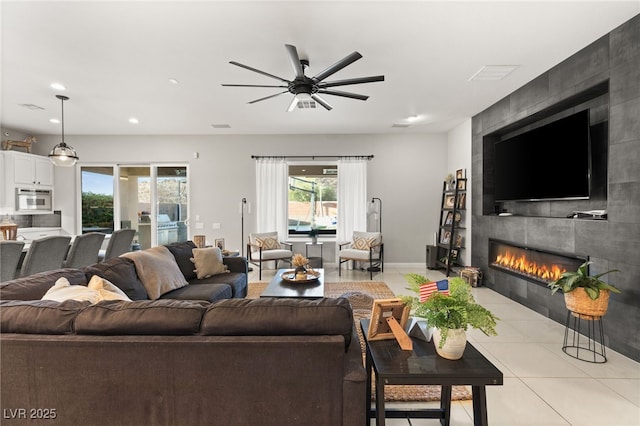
<point x="313" y="202"/>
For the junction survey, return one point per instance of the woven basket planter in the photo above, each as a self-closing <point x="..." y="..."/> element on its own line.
<point x="582" y="306"/>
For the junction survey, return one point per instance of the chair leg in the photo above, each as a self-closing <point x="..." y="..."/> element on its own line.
<point x="260" y="270"/>
<point x="339" y="267"/>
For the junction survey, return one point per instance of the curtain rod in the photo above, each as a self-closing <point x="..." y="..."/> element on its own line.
<point x="313" y="157"/>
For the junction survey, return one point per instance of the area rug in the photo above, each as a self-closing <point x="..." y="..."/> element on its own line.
<point x="361" y="295"/>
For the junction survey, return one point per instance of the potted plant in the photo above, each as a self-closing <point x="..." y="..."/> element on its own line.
<point x="584" y="294"/>
<point x="451" y="314"/>
<point x="313" y="233"/>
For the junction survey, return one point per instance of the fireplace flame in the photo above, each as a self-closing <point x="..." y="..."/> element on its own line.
<point x="522" y="265"/>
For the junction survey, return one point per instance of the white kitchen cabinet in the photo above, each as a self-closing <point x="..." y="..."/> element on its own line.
<point x="29" y="169"/>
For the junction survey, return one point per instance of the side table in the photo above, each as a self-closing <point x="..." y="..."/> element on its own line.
<point x="422" y="366"/>
<point x="306" y="253"/>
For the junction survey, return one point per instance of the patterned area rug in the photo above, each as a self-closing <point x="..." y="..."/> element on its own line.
<point x="361" y="296"/>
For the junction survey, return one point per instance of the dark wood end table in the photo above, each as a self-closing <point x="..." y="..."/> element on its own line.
<point x="423" y="366"/>
<point x="278" y="287"/>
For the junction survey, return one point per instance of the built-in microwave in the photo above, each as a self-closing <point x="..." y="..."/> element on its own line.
<point x="29" y="200"/>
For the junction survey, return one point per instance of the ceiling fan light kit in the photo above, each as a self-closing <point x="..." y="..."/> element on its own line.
<point x="62" y="155"/>
<point x="306" y="89"/>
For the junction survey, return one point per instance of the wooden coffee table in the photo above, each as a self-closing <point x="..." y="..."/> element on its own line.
<point x="280" y="288"/>
<point x="422" y="366"/>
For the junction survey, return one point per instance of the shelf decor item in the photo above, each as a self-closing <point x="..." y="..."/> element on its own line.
<point x="584" y="294"/>
<point x="450" y="314"/>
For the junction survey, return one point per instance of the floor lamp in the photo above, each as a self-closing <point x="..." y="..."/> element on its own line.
<point x="373" y="200"/>
<point x="242" y="204"/>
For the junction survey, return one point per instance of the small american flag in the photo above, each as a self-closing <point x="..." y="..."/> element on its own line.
<point x="427" y="289"/>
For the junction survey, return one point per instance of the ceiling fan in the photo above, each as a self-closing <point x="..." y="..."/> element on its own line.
<point x="303" y="87"/>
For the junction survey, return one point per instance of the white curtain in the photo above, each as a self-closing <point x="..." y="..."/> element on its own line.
<point x="352" y="198"/>
<point x="272" y="196"/>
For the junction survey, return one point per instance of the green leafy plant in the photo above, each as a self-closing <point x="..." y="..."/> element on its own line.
<point x="457" y="310"/>
<point x="592" y="284"/>
<point x="313" y="232"/>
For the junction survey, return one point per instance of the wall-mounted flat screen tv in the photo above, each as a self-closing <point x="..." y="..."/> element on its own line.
<point x="551" y="162"/>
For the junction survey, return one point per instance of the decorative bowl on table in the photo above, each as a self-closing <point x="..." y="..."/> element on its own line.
<point x="291" y="276"/>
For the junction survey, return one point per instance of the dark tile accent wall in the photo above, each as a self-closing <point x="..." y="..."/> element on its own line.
<point x="605" y="77"/>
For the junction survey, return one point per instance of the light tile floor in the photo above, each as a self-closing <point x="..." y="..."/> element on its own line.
<point x="542" y="385"/>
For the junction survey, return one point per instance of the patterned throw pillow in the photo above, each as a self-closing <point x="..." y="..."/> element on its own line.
<point x="362" y="243"/>
<point x="268" y="243"/>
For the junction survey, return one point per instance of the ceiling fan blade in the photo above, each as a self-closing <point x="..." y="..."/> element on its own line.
<point x="337" y="66"/>
<point x="293" y="104"/>
<point x="258" y="71"/>
<point x="268" y="97"/>
<point x="348" y="81"/>
<point x="343" y="94"/>
<point x="295" y="60"/>
<point x="249" y="85"/>
<point x="321" y="101"/>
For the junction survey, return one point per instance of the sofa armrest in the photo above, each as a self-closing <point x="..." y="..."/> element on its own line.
<point x="236" y="263"/>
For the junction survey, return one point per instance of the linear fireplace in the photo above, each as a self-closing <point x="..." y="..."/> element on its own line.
<point x="536" y="265"/>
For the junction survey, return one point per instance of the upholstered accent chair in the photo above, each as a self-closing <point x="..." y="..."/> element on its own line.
<point x="45" y="254"/>
<point x="119" y="243"/>
<point x="266" y="247"/>
<point x="84" y="250"/>
<point x="364" y="247"/>
<point x="10" y="253"/>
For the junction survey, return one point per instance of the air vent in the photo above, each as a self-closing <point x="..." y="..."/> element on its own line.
<point x="221" y="126"/>
<point x="30" y="106"/>
<point x="401" y="125"/>
<point x="306" y="104"/>
<point x="493" y="72"/>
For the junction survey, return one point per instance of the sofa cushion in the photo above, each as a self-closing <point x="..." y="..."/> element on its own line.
<point x="279" y="317"/>
<point x="35" y="286"/>
<point x="182" y="252"/>
<point x="236" y="280"/>
<point x="208" y="262"/>
<point x="39" y="316"/>
<point x="121" y="272"/>
<point x="62" y="291"/>
<point x="206" y="292"/>
<point x="158" y="270"/>
<point x="143" y="317"/>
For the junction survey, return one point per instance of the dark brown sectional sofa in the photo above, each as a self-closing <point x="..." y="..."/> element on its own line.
<point x="199" y="358"/>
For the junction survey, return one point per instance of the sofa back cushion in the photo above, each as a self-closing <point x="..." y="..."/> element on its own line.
<point x="163" y="317"/>
<point x="121" y="272"/>
<point x="182" y="251"/>
<point x="33" y="287"/>
<point x="39" y="316"/>
<point x="279" y="317"/>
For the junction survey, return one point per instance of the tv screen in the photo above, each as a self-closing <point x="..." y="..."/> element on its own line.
<point x="551" y="162"/>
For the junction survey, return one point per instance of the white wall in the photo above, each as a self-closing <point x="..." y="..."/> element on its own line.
<point x="459" y="157"/>
<point x="406" y="173"/>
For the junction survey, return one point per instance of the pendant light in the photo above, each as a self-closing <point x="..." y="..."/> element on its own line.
<point x="63" y="155"/>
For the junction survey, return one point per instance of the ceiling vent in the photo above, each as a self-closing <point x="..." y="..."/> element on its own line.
<point x="493" y="72"/>
<point x="221" y="126"/>
<point x="401" y="125"/>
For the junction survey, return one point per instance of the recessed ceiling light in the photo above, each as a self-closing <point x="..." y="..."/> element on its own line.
<point x="54" y="120"/>
<point x="134" y="120"/>
<point x="174" y="81"/>
<point x="493" y="72"/>
<point x="58" y="86"/>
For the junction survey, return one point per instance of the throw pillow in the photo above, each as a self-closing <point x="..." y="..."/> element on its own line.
<point x="62" y="290"/>
<point x="107" y="290"/>
<point x="268" y="243"/>
<point x="362" y="243"/>
<point x="208" y="262"/>
<point x="158" y="270"/>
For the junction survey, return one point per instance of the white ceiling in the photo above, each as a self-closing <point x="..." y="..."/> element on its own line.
<point x="116" y="59"/>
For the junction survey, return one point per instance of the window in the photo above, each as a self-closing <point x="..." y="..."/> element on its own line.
<point x="97" y="199"/>
<point x="313" y="202"/>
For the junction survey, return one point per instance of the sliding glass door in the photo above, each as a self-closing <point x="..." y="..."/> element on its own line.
<point x="152" y="199"/>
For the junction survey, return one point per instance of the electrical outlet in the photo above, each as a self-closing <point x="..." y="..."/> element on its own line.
<point x="197" y="217"/>
<point x="216" y="226"/>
